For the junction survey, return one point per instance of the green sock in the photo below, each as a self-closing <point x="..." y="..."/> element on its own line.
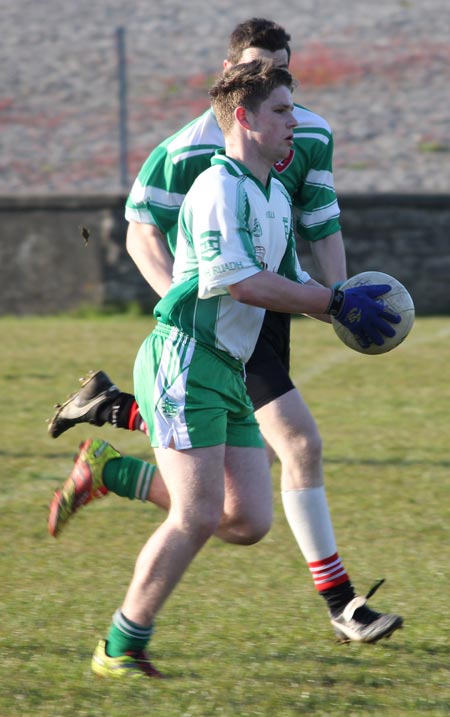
<point x="129" y="477"/>
<point x="126" y="636"/>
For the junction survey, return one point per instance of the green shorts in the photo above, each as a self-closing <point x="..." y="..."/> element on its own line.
<point x="191" y="394"/>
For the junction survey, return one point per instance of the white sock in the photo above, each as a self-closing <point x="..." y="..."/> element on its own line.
<point x="309" y="519"/>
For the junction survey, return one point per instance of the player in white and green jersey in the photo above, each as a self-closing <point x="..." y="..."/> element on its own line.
<point x="283" y="416"/>
<point x="235" y="256"/>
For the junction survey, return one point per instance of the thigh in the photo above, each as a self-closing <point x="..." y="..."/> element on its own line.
<point x="194" y="480"/>
<point x="286" y="421"/>
<point x="248" y="484"/>
<point x="289" y="427"/>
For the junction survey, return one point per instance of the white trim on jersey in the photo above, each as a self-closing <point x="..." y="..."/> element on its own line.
<point x="311" y="135"/>
<point x="190" y="153"/>
<point x="310" y="219"/>
<point x="140" y="193"/>
<point x="140" y="216"/>
<point x="320" y="178"/>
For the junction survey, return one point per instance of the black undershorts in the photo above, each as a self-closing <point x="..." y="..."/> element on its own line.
<point x="268" y="367"/>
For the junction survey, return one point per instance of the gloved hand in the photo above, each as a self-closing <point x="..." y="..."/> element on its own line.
<point x="361" y="313"/>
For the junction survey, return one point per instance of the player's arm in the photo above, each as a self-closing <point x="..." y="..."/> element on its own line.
<point x="318" y="213"/>
<point x="152" y="211"/>
<point x="326" y="318"/>
<point x="329" y="256"/>
<point x="269" y="290"/>
<point x="147" y="246"/>
<point x="357" y="308"/>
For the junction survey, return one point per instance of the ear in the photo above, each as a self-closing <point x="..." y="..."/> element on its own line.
<point x="240" y="114"/>
<point x="226" y="65"/>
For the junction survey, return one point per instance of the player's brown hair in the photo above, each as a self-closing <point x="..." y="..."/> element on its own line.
<point x="246" y="85"/>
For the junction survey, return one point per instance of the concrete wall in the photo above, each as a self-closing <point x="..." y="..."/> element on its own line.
<point x="46" y="266"/>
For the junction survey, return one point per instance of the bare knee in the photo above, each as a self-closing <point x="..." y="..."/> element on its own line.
<point x="243" y="529"/>
<point x="303" y="446"/>
<point x="253" y="533"/>
<point x="312" y="445"/>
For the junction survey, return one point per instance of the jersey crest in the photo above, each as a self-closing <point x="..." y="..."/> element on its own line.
<point x="283" y="164"/>
<point x="210" y="245"/>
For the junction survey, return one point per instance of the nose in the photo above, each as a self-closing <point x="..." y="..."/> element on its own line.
<point x="292" y="122"/>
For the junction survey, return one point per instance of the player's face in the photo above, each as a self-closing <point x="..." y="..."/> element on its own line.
<point x="279" y="57"/>
<point x="272" y="126"/>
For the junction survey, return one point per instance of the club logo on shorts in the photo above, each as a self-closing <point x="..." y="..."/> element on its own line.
<point x="210" y="245"/>
<point x="283" y="164"/>
<point x="169" y="407"/>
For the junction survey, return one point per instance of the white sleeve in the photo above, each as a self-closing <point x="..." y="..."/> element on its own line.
<point x="222" y="240"/>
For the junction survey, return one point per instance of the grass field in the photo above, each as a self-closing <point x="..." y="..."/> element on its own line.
<point x="245" y="634"/>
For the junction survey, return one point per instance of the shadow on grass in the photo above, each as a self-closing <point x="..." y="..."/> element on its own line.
<point x="385" y="462"/>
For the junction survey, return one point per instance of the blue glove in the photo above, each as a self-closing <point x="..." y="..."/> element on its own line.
<point x="360" y="311"/>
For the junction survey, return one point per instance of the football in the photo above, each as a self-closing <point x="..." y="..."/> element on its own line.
<point x="397" y="299"/>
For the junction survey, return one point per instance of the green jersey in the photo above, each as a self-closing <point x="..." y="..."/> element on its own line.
<point x="230" y="228"/>
<point x="170" y="170"/>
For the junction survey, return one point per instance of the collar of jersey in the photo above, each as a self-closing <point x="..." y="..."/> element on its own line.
<point x="237" y="169"/>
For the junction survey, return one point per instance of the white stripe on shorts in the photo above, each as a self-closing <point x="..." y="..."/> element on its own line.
<point x="169" y="396"/>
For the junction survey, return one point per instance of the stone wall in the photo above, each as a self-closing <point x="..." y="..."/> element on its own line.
<point x="47" y="266"/>
<point x="407" y="236"/>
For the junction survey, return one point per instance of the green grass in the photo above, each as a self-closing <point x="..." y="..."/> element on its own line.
<point x="245" y="634"/>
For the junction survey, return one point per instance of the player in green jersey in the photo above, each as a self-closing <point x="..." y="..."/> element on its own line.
<point x="284" y="418"/>
<point x="235" y="257"/>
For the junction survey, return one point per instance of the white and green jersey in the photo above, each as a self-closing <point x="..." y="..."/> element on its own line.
<point x="170" y="170"/>
<point x="230" y="228"/>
